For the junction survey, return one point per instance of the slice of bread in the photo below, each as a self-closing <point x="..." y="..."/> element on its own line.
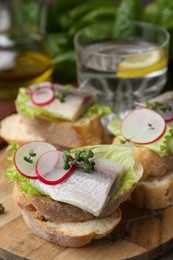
<point x="54" y="211"/>
<point x="62" y="223"/>
<point x="155" y="189"/>
<point x="64" y="134"/>
<point x="154" y="192"/>
<point x="74" y="234"/>
<point x="153" y="164"/>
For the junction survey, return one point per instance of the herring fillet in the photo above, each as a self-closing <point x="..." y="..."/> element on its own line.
<point x="86" y="191"/>
<point x="74" y="105"/>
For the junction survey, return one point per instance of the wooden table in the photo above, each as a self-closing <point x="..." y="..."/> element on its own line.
<point x="160" y="231"/>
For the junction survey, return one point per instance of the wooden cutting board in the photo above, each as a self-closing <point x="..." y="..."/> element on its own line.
<point x="143" y="235"/>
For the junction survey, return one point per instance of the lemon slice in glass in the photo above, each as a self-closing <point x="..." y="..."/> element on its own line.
<point x="141" y="64"/>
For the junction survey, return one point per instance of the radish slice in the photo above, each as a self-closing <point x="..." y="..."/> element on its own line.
<point x="49" y="168"/>
<point x="30" y="90"/>
<point x="43" y="96"/>
<point x="143" y="126"/>
<point x="26" y="168"/>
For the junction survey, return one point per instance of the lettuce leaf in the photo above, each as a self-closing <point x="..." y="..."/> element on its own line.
<point x="123" y="154"/>
<point x="98" y="109"/>
<point x="119" y="153"/>
<point x="162" y="146"/>
<point x="38" y="112"/>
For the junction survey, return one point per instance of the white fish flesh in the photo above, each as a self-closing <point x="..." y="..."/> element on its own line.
<point x="89" y="192"/>
<point x="75" y="104"/>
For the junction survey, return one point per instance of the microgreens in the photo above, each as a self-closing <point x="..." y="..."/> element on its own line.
<point x="158" y="105"/>
<point x="2" y="209"/>
<point x="28" y="159"/>
<point x="123" y="141"/>
<point x="82" y="159"/>
<point x="60" y="96"/>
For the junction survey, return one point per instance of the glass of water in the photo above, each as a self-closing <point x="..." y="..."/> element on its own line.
<point x="125" y="69"/>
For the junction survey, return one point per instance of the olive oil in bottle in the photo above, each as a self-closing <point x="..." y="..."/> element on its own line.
<point x="23" y="56"/>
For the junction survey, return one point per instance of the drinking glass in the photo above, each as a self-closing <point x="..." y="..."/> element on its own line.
<point x="122" y="69"/>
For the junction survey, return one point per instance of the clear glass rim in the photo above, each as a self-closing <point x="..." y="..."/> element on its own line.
<point x="137" y="23"/>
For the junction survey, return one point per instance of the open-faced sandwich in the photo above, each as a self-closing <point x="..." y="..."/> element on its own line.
<point x="64" y="116"/>
<point x="149" y="128"/>
<point x="72" y="197"/>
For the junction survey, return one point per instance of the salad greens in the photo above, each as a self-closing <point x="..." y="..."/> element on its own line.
<point x="39" y="112"/>
<point x="119" y="153"/>
<point x="123" y="154"/>
<point x="162" y="146"/>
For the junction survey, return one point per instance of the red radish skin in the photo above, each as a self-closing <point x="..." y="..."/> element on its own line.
<point x="69" y="172"/>
<point x="139" y="120"/>
<point x="49" y="96"/>
<point x="22" y="173"/>
<point x="53" y="182"/>
<point x="45" y="84"/>
<point x="20" y="154"/>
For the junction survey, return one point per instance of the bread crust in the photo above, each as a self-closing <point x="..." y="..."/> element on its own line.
<point x="154" y="193"/>
<point x="65" y="225"/>
<point x="66" y="234"/>
<point x="155" y="189"/>
<point x="153" y="164"/>
<point x="54" y="211"/>
<point x="63" y="134"/>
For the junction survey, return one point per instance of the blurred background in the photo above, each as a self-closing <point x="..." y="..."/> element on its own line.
<point x="61" y="19"/>
<point x="38" y="44"/>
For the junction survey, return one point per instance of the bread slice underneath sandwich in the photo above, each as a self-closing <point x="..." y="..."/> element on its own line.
<point x="63" y="134"/>
<point x="155" y="189"/>
<point x="69" y="234"/>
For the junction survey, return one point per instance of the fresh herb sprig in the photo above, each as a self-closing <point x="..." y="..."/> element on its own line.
<point x="28" y="159"/>
<point x="158" y="105"/>
<point x="60" y="96"/>
<point x="2" y="209"/>
<point x="81" y="159"/>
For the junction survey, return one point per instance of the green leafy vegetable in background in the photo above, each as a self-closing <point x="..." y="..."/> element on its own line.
<point x="64" y="18"/>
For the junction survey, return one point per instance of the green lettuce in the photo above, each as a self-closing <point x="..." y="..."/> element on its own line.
<point x="123" y="154"/>
<point x="98" y="109"/>
<point x="162" y="146"/>
<point x="39" y="112"/>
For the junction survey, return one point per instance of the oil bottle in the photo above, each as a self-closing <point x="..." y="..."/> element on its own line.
<point x="24" y="59"/>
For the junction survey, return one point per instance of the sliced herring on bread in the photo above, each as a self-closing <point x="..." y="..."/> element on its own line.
<point x="73" y="234"/>
<point x="55" y="211"/>
<point x="85" y="131"/>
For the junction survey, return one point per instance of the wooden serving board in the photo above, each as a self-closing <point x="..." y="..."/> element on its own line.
<point x="149" y="237"/>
